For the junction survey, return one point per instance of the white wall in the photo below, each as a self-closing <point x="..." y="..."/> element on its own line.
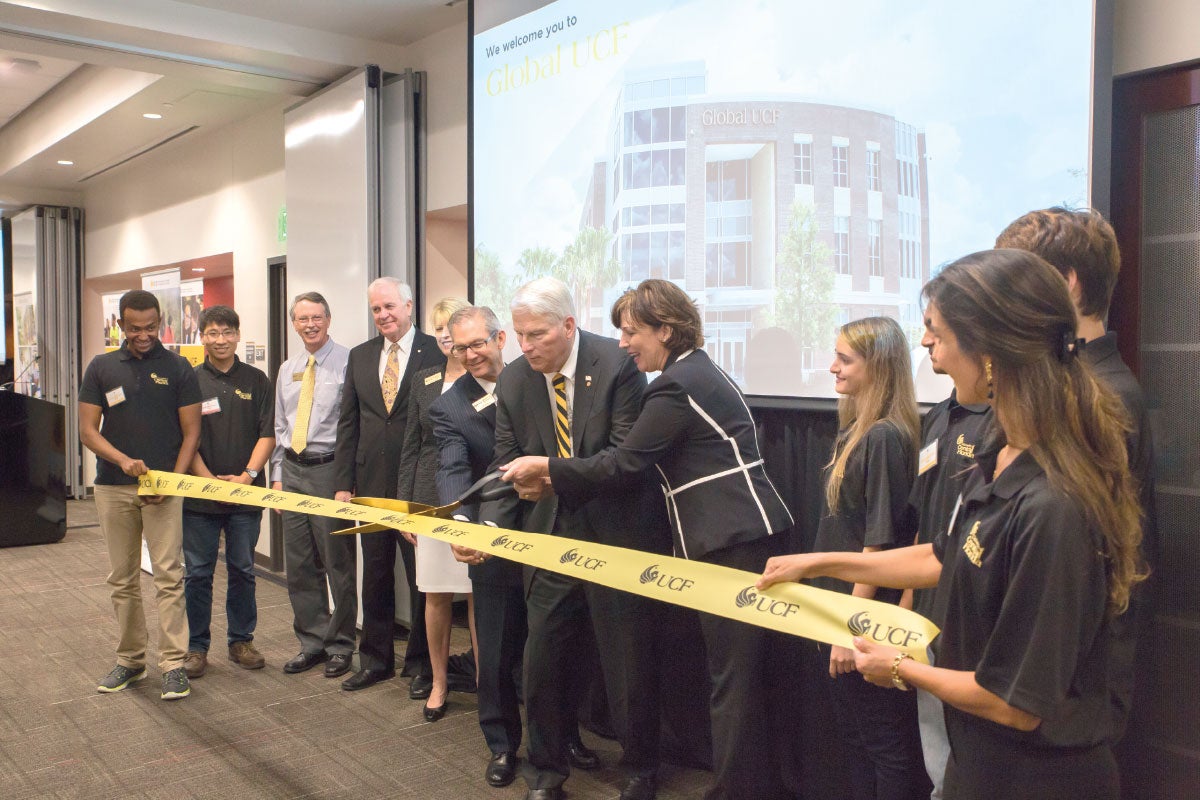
<point x="213" y="192"/>
<point x="443" y="57"/>
<point x="1155" y="33"/>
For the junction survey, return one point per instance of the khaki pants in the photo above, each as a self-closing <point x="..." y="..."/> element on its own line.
<point x="124" y="520"/>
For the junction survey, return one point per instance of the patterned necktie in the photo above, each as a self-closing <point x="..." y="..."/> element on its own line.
<point x="562" y="420"/>
<point x="391" y="377"/>
<point x="304" y="408"/>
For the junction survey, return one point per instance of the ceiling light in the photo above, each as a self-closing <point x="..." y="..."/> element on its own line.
<point x="152" y="116"/>
<point x="197" y="269"/>
<point x="65" y="163"/>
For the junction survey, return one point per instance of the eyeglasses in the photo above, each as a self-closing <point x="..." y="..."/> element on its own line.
<point x="460" y="350"/>
<point x="222" y="334"/>
<point x="316" y="319"/>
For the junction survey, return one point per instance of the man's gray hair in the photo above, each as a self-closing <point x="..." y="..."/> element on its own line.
<point x="548" y="298"/>
<point x="402" y="288"/>
<point x="308" y="297"/>
<point x="490" y="320"/>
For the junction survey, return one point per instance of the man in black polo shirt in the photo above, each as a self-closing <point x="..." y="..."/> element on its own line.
<point x="139" y="409"/>
<point x="1083" y="247"/>
<point x="950" y="433"/>
<point x="237" y="435"/>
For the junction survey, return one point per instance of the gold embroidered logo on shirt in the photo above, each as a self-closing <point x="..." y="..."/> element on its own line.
<point x="243" y="395"/>
<point x="160" y="381"/>
<point x="965" y="450"/>
<point x="972" y="547"/>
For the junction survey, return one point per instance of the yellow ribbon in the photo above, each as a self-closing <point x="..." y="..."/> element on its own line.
<point x="791" y="608"/>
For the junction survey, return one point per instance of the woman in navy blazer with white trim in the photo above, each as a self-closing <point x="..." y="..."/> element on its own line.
<point x="696" y="430"/>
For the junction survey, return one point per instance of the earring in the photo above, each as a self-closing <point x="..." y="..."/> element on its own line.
<point x="987" y="371"/>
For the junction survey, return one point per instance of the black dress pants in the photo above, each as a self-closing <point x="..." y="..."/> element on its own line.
<point x="501" y="629"/>
<point x="568" y="618"/>
<point x="745" y="752"/>
<point x="376" y="649"/>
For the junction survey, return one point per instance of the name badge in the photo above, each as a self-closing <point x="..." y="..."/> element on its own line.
<point x="484" y="402"/>
<point x="928" y="458"/>
<point x="433" y="378"/>
<point x="115" y="397"/>
<point x="210" y="406"/>
<point x="297" y="377"/>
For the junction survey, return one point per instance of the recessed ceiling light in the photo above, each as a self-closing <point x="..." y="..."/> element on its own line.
<point x="197" y="269"/>
<point x="66" y="163"/>
<point x="152" y="116"/>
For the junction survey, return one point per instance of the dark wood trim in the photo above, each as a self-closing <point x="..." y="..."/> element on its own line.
<point x="1135" y="97"/>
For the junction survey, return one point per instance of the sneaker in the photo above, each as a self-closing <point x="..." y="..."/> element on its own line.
<point x="245" y="656"/>
<point x="120" y="678"/>
<point x="175" y="684"/>
<point x="194" y="663"/>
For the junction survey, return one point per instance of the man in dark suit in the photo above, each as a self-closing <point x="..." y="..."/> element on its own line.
<point x="464" y="424"/>
<point x="369" y="439"/>
<point x="575" y="393"/>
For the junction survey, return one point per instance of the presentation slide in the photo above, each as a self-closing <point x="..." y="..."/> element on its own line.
<point x="792" y="165"/>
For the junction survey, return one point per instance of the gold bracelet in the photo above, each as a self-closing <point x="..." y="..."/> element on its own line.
<point x="897" y="681"/>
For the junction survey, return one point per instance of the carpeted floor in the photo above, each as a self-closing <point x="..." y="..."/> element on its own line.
<point x="241" y="734"/>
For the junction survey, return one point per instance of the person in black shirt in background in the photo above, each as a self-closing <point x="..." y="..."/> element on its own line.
<point x="237" y="435"/>
<point x="950" y="433"/>
<point x="867" y="484"/>
<point x="1082" y="246"/>
<point x="1040" y="556"/>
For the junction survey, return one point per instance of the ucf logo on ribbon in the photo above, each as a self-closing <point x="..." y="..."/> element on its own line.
<point x="794" y="608"/>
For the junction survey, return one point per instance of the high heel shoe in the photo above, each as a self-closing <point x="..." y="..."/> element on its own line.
<point x="434" y="714"/>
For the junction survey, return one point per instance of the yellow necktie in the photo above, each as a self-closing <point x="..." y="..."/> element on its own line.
<point x="304" y="407"/>
<point x="391" y="377"/>
<point x="562" y="419"/>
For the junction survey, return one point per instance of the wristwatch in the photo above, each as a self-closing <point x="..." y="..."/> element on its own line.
<point x="253" y="473"/>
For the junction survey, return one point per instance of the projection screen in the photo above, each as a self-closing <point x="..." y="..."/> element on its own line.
<point x="793" y="165"/>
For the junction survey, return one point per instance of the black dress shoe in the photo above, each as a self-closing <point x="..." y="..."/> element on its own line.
<point x="501" y="770"/>
<point x="339" y="664"/>
<point x="303" y="662"/>
<point x="434" y="714"/>
<point x="367" y="677"/>
<point x="553" y="793"/>
<point x="420" y="687"/>
<point x="640" y="787"/>
<point x="581" y="757"/>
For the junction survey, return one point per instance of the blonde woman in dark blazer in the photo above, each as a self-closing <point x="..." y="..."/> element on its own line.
<point x="439" y="575"/>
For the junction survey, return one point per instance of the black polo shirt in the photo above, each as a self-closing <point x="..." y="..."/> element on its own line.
<point x="872" y="503"/>
<point x="237" y="409"/>
<point x="1024" y="591"/>
<point x="1106" y="363"/>
<point x="139" y="400"/>
<point x="950" y="432"/>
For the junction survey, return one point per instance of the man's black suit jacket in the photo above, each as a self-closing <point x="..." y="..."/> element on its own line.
<point x="466" y="438"/>
<point x="608" y="398"/>
<point x="369" y="439"/>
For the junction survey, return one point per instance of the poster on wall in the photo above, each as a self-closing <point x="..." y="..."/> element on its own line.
<point x="191" y="299"/>
<point x="28" y="377"/>
<point x="110" y="310"/>
<point x="165" y="286"/>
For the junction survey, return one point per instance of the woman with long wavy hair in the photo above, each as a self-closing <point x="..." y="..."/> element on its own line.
<point x="1040" y="556"/>
<point x="864" y="509"/>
